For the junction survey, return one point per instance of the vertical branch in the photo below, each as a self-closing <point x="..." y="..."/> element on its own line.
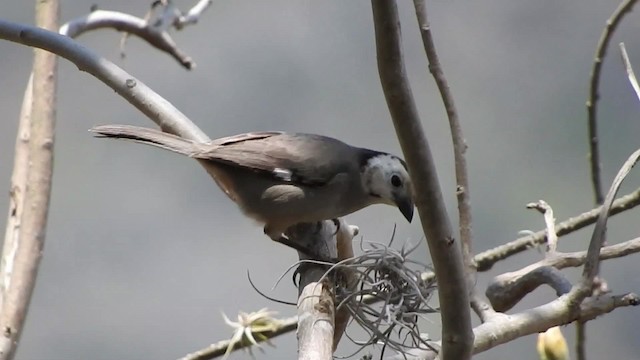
<point x="594" y="150"/>
<point x="592" y="263"/>
<point x="38" y="189"/>
<point x="459" y="144"/>
<point x="316" y="308"/>
<point x="592" y="102"/>
<point x="17" y="191"/>
<point x="445" y="252"/>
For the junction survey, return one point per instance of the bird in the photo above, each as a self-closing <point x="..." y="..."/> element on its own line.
<point x="282" y="179"/>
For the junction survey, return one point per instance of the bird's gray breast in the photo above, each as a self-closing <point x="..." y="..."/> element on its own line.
<point x="270" y="200"/>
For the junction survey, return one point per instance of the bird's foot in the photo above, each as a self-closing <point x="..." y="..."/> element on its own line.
<point x="284" y="240"/>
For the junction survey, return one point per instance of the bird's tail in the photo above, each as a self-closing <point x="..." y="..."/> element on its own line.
<point x="146" y="136"/>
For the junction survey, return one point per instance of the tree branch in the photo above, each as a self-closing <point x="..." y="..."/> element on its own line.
<point x="134" y="91"/>
<point x="502" y="329"/>
<point x="592" y="102"/>
<point x="220" y="348"/>
<point x="444" y="249"/>
<point x="501" y="291"/>
<point x="592" y="263"/>
<point x="550" y="223"/>
<point x="505" y="292"/>
<point x="459" y="145"/>
<point x="17" y="192"/>
<point x="100" y="19"/>
<point x="629" y="69"/>
<point x="488" y="258"/>
<point x="31" y="237"/>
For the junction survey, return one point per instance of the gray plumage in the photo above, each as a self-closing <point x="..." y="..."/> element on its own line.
<point x="281" y="179"/>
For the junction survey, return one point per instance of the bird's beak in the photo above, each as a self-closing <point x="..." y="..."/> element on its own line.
<point x="406" y="207"/>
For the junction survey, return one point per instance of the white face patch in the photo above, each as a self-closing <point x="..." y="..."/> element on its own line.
<point x="377" y="177"/>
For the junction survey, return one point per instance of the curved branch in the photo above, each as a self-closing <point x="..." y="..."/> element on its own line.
<point x="502" y="329"/>
<point x="130" y="24"/>
<point x="592" y="101"/>
<point x="133" y="90"/>
<point x="592" y="263"/>
<point x="488" y="258"/>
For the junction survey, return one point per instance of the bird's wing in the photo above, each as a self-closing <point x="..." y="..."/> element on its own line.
<point x="306" y="159"/>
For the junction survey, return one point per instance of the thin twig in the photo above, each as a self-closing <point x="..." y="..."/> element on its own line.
<point x="459" y="144"/>
<point x="445" y="250"/>
<point x="129" y="24"/>
<point x="488" y="258"/>
<point x="133" y="90"/>
<point x="592" y="264"/>
<point x="193" y="15"/>
<point x="592" y="101"/>
<point x="220" y="348"/>
<point x="630" y="74"/>
<point x="26" y="258"/>
<point x="550" y="223"/>
<point x="592" y="107"/>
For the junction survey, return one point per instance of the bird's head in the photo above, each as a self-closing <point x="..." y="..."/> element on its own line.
<point x="387" y="181"/>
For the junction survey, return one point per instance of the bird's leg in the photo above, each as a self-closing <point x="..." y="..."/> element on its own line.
<point x="281" y="238"/>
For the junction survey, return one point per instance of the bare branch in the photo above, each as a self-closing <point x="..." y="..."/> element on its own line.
<point x="18" y="189"/>
<point x="503" y="329"/>
<point x="550" y="222"/>
<point x="316" y="322"/>
<point x="539" y="319"/>
<point x="220" y="348"/>
<point x="592" y="264"/>
<point x="133" y="90"/>
<point x="630" y="74"/>
<point x="445" y="250"/>
<point x="27" y="255"/>
<point x="505" y="292"/>
<point x="507" y="288"/>
<point x="594" y="151"/>
<point x="483" y="309"/>
<point x="459" y="144"/>
<point x="99" y="19"/>
<point x="560" y="261"/>
<point x="344" y="244"/>
<point x="592" y="101"/>
<point x="488" y="258"/>
<point x="193" y="15"/>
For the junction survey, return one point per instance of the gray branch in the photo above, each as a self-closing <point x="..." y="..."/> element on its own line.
<point x="444" y="248"/>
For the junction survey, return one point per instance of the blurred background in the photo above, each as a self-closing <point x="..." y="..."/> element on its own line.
<point x="144" y="252"/>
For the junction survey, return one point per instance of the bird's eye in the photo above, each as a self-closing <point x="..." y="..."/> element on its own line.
<point x="395" y="181"/>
